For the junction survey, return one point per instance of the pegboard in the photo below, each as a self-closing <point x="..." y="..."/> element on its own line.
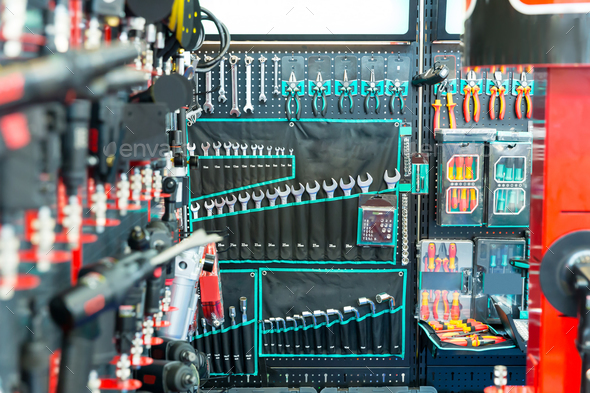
<point x="510" y="122"/>
<point x="472" y="379"/>
<point x="274" y="107"/>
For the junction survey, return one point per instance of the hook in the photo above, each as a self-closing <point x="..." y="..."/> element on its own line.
<point x="292" y="55"/>
<point x="398" y="55"/>
<point x="372" y="58"/>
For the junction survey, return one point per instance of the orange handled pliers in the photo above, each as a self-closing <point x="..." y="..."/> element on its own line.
<point x="498" y="90"/>
<point x="524" y="89"/>
<point x="471" y="90"/>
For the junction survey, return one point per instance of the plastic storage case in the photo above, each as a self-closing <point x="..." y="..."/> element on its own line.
<point x="461" y="176"/>
<point x="495" y="276"/>
<point x="509" y="180"/>
<point x="445" y="280"/>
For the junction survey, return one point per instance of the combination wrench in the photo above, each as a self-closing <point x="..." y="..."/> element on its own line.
<point x="262" y="97"/>
<point x="276" y="90"/>
<point x="208" y="105"/>
<point x="222" y="98"/>
<point x="248" y="107"/>
<point x="233" y="60"/>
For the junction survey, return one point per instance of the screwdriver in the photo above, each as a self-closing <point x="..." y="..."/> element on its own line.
<point x="473" y="199"/>
<point x="435" y="305"/>
<point x="452" y="255"/>
<point x="463" y="201"/>
<point x="455" y="307"/>
<point x="445" y="296"/>
<point x="454" y="199"/>
<point x="501" y="203"/>
<point x="493" y="263"/>
<point x="431" y="254"/>
<point x="459" y="162"/>
<point x="469" y="168"/>
<point x="509" y="170"/>
<point x="452" y="169"/>
<point x="500" y="170"/>
<point x="512" y="201"/>
<point x="518" y="169"/>
<point x="244" y="307"/>
<point x="424" y="313"/>
<point x="504" y="256"/>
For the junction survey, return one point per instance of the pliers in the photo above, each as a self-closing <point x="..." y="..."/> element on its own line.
<point x="443" y="87"/>
<point x="471" y="89"/>
<point x="292" y="93"/>
<point x="497" y="89"/>
<point x="396" y="91"/>
<point x="345" y="91"/>
<point x="319" y="90"/>
<point x="523" y="89"/>
<point x="372" y="91"/>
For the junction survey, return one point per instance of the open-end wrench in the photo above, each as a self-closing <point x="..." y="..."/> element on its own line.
<point x="269" y="149"/>
<point x="284" y="194"/>
<point x="297" y="193"/>
<point x="391" y="181"/>
<point x="235" y="110"/>
<point x="276" y="90"/>
<point x="260" y="149"/>
<point x="330" y="189"/>
<point x="205" y="148"/>
<point x="244" y="147"/>
<point x="195" y="210"/>
<point x="222" y="98"/>
<point x="282" y="150"/>
<point x="231" y="202"/>
<point x="313" y="192"/>
<point x="235" y="148"/>
<point x="219" y="205"/>
<point x="272" y="198"/>
<point x="347" y="188"/>
<point x="209" y="208"/>
<point x="364" y="185"/>
<point x="248" y="107"/>
<point x="244" y="201"/>
<point x="290" y="151"/>
<point x="258" y="199"/>
<point x="262" y="96"/>
<point x="191" y="147"/>
<point x="217" y="147"/>
<point x="208" y="105"/>
<point x="227" y="147"/>
<point x="277" y="150"/>
<point x="254" y="148"/>
<point x="197" y="107"/>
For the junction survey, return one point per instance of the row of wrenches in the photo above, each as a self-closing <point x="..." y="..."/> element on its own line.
<point x="296" y="192"/>
<point x="257" y="150"/>
<point x="196" y="111"/>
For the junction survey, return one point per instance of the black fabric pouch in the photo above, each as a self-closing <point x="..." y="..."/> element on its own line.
<point x="272" y="234"/>
<point x="286" y="224"/>
<point x="317" y="231"/>
<point x="236" y="168"/>
<point x="334" y="229"/>
<point x="349" y="226"/>
<point x="301" y="229"/>
<point x="233" y="229"/>
<point x="257" y="239"/>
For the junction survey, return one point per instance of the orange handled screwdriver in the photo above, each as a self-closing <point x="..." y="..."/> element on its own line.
<point x="454" y="199"/>
<point x="424" y="313"/>
<point x="452" y="255"/>
<point x="445" y="296"/>
<point x="431" y="255"/>
<point x="455" y="307"/>
<point x="459" y="163"/>
<point x="463" y="202"/>
<point x="451" y="170"/>
<point x="473" y="199"/>
<point x="435" y="305"/>
<point x="469" y="168"/>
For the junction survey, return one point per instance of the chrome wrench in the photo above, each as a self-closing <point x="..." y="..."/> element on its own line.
<point x="208" y="105"/>
<point x="276" y="67"/>
<point x="222" y="98"/>
<point x="262" y="97"/>
<point x="248" y="107"/>
<point x="233" y="60"/>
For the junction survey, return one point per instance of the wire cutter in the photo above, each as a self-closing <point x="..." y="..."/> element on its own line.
<point x="292" y="94"/>
<point x="498" y="90"/>
<point x="372" y="91"/>
<point x="471" y="89"/>
<point x="319" y="90"/>
<point x="345" y="91"/>
<point x="443" y="87"/>
<point x="523" y="89"/>
<point x="396" y="91"/>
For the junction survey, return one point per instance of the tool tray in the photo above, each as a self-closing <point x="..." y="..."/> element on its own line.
<point x="435" y="343"/>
